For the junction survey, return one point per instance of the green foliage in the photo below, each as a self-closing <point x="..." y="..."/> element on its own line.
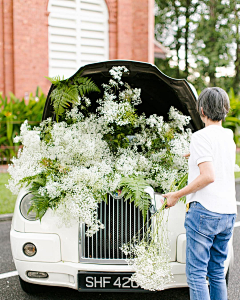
<point x="40" y="203"/>
<point x="211" y="44"/>
<point x="62" y="96"/>
<point x="133" y="189"/>
<point x="67" y="92"/>
<point x="183" y="182"/>
<point x="118" y="137"/>
<point x="7" y="200"/>
<point x="237" y="174"/>
<point x="85" y="85"/>
<point x="55" y="80"/>
<point x="204" y="31"/>
<point x="232" y="121"/>
<point x="164" y="66"/>
<point x="13" y="113"/>
<point x="174" y="23"/>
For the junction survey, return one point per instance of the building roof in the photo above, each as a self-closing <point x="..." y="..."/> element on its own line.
<point x="159" y="50"/>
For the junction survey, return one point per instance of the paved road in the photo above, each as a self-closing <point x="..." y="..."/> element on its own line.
<point x="10" y="288"/>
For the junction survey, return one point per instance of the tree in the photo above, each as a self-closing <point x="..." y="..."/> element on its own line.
<point x="235" y="8"/>
<point x="212" y="39"/>
<point x="174" y="22"/>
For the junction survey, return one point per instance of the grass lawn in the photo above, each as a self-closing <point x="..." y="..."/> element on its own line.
<point x="7" y="200"/>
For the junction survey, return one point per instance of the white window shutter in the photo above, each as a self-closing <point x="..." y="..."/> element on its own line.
<point x="77" y="35"/>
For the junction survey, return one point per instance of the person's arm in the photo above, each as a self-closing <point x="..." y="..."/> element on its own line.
<point x="205" y="177"/>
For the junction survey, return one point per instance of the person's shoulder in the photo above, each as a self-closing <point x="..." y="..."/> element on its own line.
<point x="228" y="131"/>
<point x="200" y="137"/>
<point x="201" y="133"/>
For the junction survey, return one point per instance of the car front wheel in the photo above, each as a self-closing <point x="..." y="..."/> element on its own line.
<point x="30" y="288"/>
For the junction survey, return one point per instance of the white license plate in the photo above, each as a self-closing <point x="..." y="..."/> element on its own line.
<point x="106" y="281"/>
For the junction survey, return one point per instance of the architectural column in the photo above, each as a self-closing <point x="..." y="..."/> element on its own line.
<point x="135" y="30"/>
<point x="6" y="47"/>
<point x="125" y="32"/>
<point x="112" y="21"/>
<point x="143" y="27"/>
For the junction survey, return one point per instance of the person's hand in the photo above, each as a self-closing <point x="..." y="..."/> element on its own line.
<point x="172" y="199"/>
<point x="187" y="155"/>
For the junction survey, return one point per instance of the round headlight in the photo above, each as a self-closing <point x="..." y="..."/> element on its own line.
<point x="29" y="249"/>
<point x="25" y="204"/>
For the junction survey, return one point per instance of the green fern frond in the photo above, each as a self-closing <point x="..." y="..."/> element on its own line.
<point x="86" y="85"/>
<point x="66" y="93"/>
<point x="36" y="180"/>
<point x="55" y="80"/>
<point x="133" y="190"/>
<point x="62" y="97"/>
<point x="40" y="204"/>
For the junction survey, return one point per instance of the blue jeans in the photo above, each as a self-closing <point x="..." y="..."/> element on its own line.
<point x="207" y="234"/>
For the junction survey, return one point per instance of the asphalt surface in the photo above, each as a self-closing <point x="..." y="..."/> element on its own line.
<point x="10" y="288"/>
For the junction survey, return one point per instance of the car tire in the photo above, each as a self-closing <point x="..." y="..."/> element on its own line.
<point x="30" y="288"/>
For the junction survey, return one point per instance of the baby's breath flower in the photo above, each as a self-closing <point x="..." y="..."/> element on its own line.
<point x="76" y="157"/>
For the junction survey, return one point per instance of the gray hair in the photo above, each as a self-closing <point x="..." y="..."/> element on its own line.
<point x="215" y="103"/>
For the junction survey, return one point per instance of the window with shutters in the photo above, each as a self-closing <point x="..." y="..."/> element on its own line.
<point x="78" y="35"/>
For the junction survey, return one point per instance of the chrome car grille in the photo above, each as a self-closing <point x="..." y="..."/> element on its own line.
<point x="122" y="221"/>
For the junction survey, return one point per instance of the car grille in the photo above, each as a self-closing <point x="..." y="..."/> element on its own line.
<point x="122" y="221"/>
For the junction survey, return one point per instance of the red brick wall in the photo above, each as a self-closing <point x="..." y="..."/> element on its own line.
<point x="23" y="46"/>
<point x="24" y="40"/>
<point x="131" y="29"/>
<point x="30" y="45"/>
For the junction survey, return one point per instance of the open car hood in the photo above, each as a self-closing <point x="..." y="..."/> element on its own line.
<point x="158" y="91"/>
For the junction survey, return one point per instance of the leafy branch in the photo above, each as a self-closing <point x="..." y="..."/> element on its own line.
<point x="133" y="189"/>
<point x="66" y="93"/>
<point x="40" y="203"/>
<point x="62" y="97"/>
<point x="85" y="85"/>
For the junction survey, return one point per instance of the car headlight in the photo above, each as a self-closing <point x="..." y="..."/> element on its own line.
<point x="25" y="204"/>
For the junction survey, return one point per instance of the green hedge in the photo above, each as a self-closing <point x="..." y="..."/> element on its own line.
<point x="7" y="200"/>
<point x="12" y="114"/>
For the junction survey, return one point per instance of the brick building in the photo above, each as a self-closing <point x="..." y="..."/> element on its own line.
<point x="55" y="37"/>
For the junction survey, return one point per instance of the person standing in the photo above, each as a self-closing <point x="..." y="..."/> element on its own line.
<point x="211" y="199"/>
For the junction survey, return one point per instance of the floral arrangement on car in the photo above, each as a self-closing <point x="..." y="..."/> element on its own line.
<point x="71" y="164"/>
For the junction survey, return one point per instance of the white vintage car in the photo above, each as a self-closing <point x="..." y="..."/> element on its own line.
<point x="46" y="254"/>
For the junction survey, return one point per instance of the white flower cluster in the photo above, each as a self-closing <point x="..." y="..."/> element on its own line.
<point x="117" y="72"/>
<point x="114" y="112"/>
<point x="150" y="258"/>
<point x="78" y="162"/>
<point x="27" y="163"/>
<point x="118" y="109"/>
<point x="178" y="120"/>
<point x="84" y="163"/>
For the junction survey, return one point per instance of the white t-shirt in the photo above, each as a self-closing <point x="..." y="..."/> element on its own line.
<point x="214" y="143"/>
